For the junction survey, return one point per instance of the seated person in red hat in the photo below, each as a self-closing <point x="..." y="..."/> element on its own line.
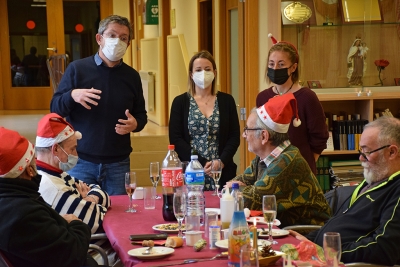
<point x="32" y="233"/>
<point x="56" y="143"/>
<point x="279" y="169"/>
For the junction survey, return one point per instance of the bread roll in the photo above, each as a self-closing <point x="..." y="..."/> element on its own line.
<point x="174" y="242"/>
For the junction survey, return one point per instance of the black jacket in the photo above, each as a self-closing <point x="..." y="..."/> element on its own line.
<point x="369" y="224"/>
<point x="33" y="234"/>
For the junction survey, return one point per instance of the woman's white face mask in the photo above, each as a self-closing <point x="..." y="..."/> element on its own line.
<point x="203" y="79"/>
<point x="114" y="49"/>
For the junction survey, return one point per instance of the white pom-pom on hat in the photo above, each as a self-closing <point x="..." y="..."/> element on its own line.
<point x="296" y="122"/>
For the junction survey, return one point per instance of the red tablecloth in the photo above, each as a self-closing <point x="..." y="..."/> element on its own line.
<point x="118" y="225"/>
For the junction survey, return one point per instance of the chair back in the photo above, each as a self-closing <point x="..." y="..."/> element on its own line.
<point x="4" y="262"/>
<point x="57" y="65"/>
<point x="338" y="196"/>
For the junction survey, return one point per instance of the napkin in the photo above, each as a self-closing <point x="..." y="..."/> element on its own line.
<point x="255" y="213"/>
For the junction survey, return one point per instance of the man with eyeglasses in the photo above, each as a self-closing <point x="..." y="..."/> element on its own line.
<point x="102" y="97"/>
<point x="369" y="220"/>
<point x="279" y="168"/>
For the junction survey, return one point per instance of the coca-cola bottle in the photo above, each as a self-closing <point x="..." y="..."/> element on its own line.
<point x="171" y="175"/>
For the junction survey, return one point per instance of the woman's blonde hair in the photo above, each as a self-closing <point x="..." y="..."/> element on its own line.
<point x="202" y="54"/>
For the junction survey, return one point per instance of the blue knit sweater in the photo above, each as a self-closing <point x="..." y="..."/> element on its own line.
<point x="121" y="89"/>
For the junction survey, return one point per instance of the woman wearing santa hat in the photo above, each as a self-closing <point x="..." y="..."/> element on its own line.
<point x="283" y="72"/>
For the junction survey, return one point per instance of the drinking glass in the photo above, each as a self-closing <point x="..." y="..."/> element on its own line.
<point x="269" y="211"/>
<point x="249" y="257"/>
<point x="216" y="170"/>
<point x="180" y="209"/>
<point x="332" y="249"/>
<point x="130" y="186"/>
<point x="154" y="172"/>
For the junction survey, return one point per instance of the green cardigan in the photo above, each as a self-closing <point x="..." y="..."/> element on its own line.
<point x="299" y="197"/>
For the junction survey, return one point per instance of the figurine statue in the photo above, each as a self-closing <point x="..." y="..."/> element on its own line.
<point x="356" y="62"/>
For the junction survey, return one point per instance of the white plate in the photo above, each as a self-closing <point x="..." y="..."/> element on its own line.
<point x="156" y="252"/>
<point x="160" y="227"/>
<point x="261" y="220"/>
<point x="218" y="211"/>
<point x="275" y="233"/>
<point x="224" y="243"/>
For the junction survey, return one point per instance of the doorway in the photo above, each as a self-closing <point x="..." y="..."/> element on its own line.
<point x="38" y="29"/>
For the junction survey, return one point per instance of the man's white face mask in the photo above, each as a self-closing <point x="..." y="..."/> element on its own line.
<point x="114" y="49"/>
<point x="203" y="79"/>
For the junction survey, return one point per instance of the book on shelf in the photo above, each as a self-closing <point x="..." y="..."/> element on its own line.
<point x="345" y="163"/>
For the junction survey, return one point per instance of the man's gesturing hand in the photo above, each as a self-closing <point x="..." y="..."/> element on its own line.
<point x="126" y="126"/>
<point x="85" y="96"/>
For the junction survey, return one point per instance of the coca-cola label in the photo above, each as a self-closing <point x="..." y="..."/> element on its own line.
<point x="172" y="177"/>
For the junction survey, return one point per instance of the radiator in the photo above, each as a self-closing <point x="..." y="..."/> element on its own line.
<point x="148" y="85"/>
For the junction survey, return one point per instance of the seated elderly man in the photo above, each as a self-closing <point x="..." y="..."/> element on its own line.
<point x="279" y="169"/>
<point x="32" y="233"/>
<point x="56" y="143"/>
<point x="369" y="221"/>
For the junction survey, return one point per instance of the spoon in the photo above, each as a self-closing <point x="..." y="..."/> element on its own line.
<point x="147" y="251"/>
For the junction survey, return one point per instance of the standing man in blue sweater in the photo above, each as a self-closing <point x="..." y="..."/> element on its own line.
<point x="102" y="97"/>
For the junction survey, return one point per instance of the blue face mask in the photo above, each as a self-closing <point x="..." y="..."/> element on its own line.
<point x="72" y="160"/>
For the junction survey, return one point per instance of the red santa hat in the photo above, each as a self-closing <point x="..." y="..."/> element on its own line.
<point x="53" y="129"/>
<point x="16" y="153"/>
<point x="274" y="41"/>
<point x="278" y="112"/>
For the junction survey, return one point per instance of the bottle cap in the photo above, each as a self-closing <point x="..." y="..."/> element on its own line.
<point x="235" y="186"/>
<point x="171" y="147"/>
<point x="194" y="157"/>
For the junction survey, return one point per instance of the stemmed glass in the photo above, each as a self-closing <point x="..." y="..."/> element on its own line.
<point x="154" y="172"/>
<point x="332" y="249"/>
<point x="130" y="186"/>
<point x="180" y="209"/>
<point x="216" y="170"/>
<point x="269" y="211"/>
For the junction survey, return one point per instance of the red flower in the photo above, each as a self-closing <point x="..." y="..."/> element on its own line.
<point x="381" y="63"/>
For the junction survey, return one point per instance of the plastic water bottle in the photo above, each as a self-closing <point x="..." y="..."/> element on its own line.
<point x="238" y="197"/>
<point x="194" y="177"/>
<point x="171" y="171"/>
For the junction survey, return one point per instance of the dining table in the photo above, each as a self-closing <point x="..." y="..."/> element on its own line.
<point x="119" y="225"/>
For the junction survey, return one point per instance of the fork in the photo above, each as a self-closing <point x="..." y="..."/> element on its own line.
<point x="147" y="251"/>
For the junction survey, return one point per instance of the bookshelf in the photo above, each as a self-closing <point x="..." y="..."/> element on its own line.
<point x="351" y="101"/>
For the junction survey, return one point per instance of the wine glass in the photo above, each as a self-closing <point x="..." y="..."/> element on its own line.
<point x="216" y="170"/>
<point x="154" y="172"/>
<point x="332" y="249"/>
<point x="130" y="186"/>
<point x="180" y="209"/>
<point x="269" y="211"/>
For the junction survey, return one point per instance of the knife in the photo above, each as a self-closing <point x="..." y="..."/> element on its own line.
<point x="181" y="263"/>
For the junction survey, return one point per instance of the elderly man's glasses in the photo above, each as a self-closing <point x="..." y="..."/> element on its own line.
<point x="245" y="129"/>
<point x="365" y="154"/>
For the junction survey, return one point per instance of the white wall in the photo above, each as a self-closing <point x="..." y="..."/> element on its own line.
<point x="186" y="23"/>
